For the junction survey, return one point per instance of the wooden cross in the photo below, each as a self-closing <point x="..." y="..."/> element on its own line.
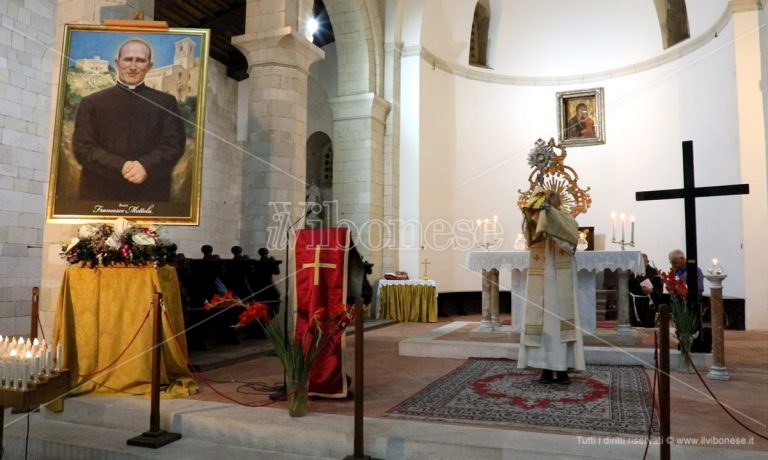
<point x="317" y="265"/>
<point x="689" y="193"/>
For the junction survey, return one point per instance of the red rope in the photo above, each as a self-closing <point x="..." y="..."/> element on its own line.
<point x="653" y="390"/>
<point x="122" y="352"/>
<point x="201" y="377"/>
<point x="688" y="357"/>
<point x="40" y="327"/>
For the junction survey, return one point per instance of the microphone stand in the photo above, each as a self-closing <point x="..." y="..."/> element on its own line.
<point x="281" y="393"/>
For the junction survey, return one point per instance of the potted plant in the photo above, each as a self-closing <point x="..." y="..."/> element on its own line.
<point x="297" y="355"/>
<point x="685" y="319"/>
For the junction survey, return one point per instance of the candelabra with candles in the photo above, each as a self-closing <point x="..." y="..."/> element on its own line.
<point x="29" y="376"/>
<point x="25" y="363"/>
<point x="622" y="223"/>
<point x="490" y="232"/>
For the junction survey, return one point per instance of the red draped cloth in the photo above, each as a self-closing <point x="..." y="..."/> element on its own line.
<point x="321" y="283"/>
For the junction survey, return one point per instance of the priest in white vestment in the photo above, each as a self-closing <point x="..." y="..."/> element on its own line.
<point x="551" y="338"/>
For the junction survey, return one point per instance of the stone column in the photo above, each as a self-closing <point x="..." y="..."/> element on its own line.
<point x="622" y="321"/>
<point x="358" y="131"/>
<point x="392" y="53"/>
<point x="274" y="168"/>
<point x="717" y="371"/>
<point x="485" y="321"/>
<point x="495" y="323"/>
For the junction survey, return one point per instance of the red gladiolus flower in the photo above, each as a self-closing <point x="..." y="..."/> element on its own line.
<point x="675" y="285"/>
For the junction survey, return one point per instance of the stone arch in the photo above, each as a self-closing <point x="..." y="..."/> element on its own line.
<point x="357" y="26"/>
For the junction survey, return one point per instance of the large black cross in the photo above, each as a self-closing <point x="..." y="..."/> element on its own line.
<point x="689" y="193"/>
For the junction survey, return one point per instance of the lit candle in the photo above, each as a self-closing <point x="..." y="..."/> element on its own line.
<point x="622" y="226"/>
<point x="58" y="356"/>
<point x="613" y="225"/>
<point x="632" y="231"/>
<point x="714" y="262"/>
<point x="36" y="369"/>
<point x="27" y="370"/>
<point x="48" y="361"/>
<point x="12" y="370"/>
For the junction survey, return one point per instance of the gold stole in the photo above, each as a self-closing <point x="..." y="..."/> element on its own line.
<point x="562" y="307"/>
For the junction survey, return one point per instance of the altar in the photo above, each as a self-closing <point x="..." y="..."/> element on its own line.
<point x="104" y="326"/>
<point x="405" y="300"/>
<point x="588" y="263"/>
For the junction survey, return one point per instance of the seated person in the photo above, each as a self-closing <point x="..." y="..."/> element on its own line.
<point x="680" y="268"/>
<point x="645" y="296"/>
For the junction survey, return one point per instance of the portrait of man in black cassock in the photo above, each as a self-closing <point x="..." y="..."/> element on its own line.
<point x="129" y="129"/>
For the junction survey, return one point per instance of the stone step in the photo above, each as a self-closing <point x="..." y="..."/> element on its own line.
<point x="430" y="345"/>
<point x="99" y="427"/>
<point x="54" y="440"/>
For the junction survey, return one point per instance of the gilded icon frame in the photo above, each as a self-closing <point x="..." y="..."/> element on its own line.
<point x="180" y="62"/>
<point x="575" y="130"/>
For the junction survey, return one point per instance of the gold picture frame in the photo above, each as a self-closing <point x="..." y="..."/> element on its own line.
<point x="103" y="128"/>
<point x="580" y="117"/>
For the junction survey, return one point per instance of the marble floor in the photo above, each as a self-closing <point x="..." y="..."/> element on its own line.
<point x="391" y="378"/>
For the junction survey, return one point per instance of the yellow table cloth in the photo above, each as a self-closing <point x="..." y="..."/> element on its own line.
<point x="98" y="313"/>
<point x="408" y="301"/>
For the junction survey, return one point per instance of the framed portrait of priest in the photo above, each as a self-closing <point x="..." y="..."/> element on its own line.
<point x="580" y="117"/>
<point x="128" y="135"/>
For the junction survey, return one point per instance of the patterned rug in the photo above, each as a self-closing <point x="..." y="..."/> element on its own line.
<point x="603" y="399"/>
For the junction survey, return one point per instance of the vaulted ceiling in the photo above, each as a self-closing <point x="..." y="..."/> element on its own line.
<point x="226" y="19"/>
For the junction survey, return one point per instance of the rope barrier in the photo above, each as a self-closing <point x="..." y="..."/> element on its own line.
<point x="653" y="391"/>
<point x="91" y="374"/>
<point x="201" y="377"/>
<point x="690" y="361"/>
<point x="41" y="328"/>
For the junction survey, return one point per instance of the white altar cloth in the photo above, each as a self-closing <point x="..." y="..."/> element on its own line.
<point x="587" y="265"/>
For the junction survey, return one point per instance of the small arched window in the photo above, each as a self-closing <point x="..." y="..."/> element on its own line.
<point x="673" y="20"/>
<point x="478" y="41"/>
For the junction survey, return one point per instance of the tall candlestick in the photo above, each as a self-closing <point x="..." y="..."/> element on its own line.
<point x="632" y="232"/>
<point x="613" y="225"/>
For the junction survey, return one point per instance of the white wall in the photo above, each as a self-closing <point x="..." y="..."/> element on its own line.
<point x="549" y="37"/>
<point x="475" y="136"/>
